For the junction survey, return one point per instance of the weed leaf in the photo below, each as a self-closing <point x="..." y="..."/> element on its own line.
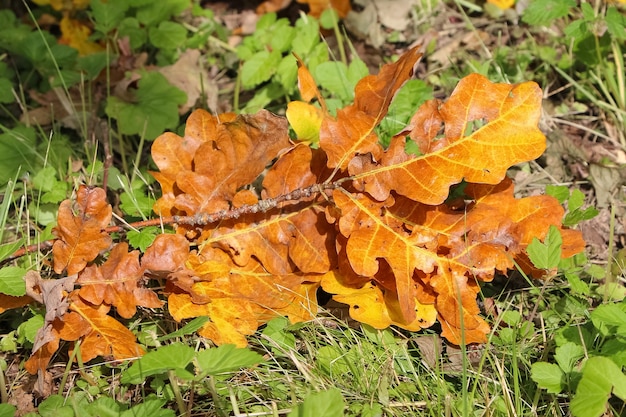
<point x="601" y="377"/>
<point x="328" y="403"/>
<point x="548" y="376"/>
<point x="175" y="356"/>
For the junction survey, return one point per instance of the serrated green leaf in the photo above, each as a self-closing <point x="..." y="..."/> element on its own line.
<point x="333" y="76"/>
<point x="136" y="204"/>
<point x="28" y="329"/>
<point x="8" y="249"/>
<point x="155" y="111"/>
<point x="574" y="217"/>
<point x="546" y="255"/>
<point x="616" y="23"/>
<point x="548" y="376"/>
<point x="7" y="410"/>
<point x="259" y="68"/>
<point x="174" y="357"/>
<point x="151" y="407"/>
<point x="307" y="37"/>
<point x="131" y="28"/>
<point x="6" y="91"/>
<point x="568" y="355"/>
<point x="142" y="238"/>
<point x="328" y="403"/>
<point x="287" y="73"/>
<point x="560" y="192"/>
<point x="281" y="36"/>
<point x="12" y="281"/>
<point x="225" y="358"/>
<point x="191" y="327"/>
<point x="610" y="319"/>
<point x="544" y="12"/>
<point x="168" y="35"/>
<point x="53" y="406"/>
<point x="104" y="406"/>
<point x="601" y="376"/>
<point x="154" y="12"/>
<point x="107" y="15"/>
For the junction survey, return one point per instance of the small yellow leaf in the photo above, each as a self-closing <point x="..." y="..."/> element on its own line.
<point x="76" y="34"/>
<point x="502" y="4"/>
<point x="306" y="121"/>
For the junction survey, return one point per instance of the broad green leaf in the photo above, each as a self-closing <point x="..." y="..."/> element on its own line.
<point x="546" y="255"/>
<point x="326" y="403"/>
<point x="9" y="248"/>
<point x="153" y="12"/>
<point x="610" y="319"/>
<point x="544" y="12"/>
<point x="259" y="68"/>
<point x="601" y="377"/>
<point x="104" y="406"/>
<point x="142" y="238"/>
<point x="548" y="376"/>
<point x="6" y="91"/>
<point x="192" y="326"/>
<point x="225" y="358"/>
<point x="12" y="281"/>
<point x="53" y="406"/>
<point x="333" y="76"/>
<point x="131" y="28"/>
<point x="7" y="410"/>
<point x="568" y="355"/>
<point x="307" y="37"/>
<point x="28" y="329"/>
<point x="151" y="407"/>
<point x="560" y="192"/>
<point x="155" y="109"/>
<point x="107" y="15"/>
<point x="174" y="357"/>
<point x="168" y="35"/>
<point x="616" y="23"/>
<point x="17" y="153"/>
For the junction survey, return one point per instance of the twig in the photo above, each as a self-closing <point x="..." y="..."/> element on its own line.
<point x="201" y="219"/>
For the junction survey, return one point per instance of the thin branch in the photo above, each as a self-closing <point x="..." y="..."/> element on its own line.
<point x="201" y="219"/>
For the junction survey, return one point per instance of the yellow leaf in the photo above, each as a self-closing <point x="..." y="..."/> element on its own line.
<point x="306" y="121"/>
<point x="502" y="4"/>
<point x="76" y="34"/>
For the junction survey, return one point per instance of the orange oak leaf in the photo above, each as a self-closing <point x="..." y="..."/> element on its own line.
<point x="487" y="129"/>
<point x="389" y="242"/>
<point x="231" y="155"/>
<point x="81" y="236"/>
<point x="118" y="282"/>
<point x="100" y="334"/>
<point x="352" y="132"/>
<point x="239" y="299"/>
<point x="376" y="306"/>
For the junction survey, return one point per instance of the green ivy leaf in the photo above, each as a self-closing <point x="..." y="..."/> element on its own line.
<point x="155" y="110"/>
<point x="546" y="255"/>
<point x="548" y="376"/>
<point x="131" y="28"/>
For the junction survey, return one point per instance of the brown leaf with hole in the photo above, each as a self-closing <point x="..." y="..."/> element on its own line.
<point x="81" y="236"/>
<point x="487" y="129"/>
